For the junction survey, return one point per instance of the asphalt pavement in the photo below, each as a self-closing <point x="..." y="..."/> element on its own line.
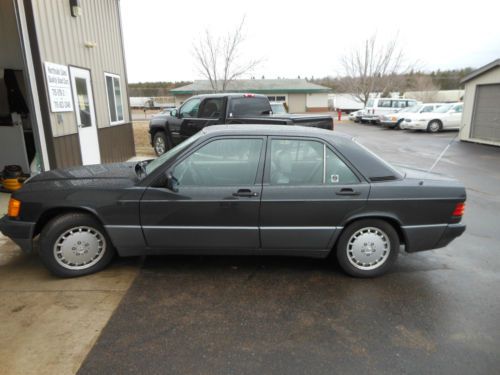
<point x="435" y="312"/>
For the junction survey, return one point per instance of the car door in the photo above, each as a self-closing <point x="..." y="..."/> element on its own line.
<point x="211" y="111"/>
<point x="186" y="112"/>
<point x="216" y="202"/>
<point x="308" y="192"/>
<point x="454" y="117"/>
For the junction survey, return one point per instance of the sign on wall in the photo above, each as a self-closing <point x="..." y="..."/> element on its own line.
<point x="59" y="87"/>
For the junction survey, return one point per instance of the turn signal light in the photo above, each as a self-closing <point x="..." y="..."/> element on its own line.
<point x="459" y="209"/>
<point x="14" y="208"/>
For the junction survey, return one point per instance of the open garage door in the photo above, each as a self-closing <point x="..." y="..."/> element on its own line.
<point x="486" y="117"/>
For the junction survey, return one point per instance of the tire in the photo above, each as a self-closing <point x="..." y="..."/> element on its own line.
<point x="364" y="121"/>
<point x="72" y="238"/>
<point x="434" y="126"/>
<point x="398" y="125"/>
<point x="375" y="236"/>
<point x="161" y="143"/>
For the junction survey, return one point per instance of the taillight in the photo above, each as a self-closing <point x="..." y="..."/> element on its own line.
<point x="459" y="209"/>
<point x="249" y="95"/>
<point x="14" y="208"/>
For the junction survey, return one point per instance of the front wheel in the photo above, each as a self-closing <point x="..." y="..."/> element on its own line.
<point x="161" y="143"/>
<point x="434" y="126"/>
<point x="367" y="248"/>
<point x="75" y="244"/>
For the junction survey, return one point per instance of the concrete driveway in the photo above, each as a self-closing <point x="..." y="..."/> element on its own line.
<point x="436" y="312"/>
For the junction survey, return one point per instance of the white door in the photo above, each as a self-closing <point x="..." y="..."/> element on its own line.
<point x="454" y="117"/>
<point x="85" y="115"/>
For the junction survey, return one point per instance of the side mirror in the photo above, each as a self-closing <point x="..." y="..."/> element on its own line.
<point x="173" y="113"/>
<point x="172" y="183"/>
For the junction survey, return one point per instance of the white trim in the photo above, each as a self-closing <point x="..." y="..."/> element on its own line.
<point x="41" y="145"/>
<point x="112" y="75"/>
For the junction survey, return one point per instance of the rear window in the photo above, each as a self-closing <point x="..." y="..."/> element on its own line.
<point x="249" y="106"/>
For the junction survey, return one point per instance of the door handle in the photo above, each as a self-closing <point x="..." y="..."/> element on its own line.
<point x="347" y="191"/>
<point x="245" y="193"/>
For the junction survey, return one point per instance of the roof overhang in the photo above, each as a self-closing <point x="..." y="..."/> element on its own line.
<point x="480" y="71"/>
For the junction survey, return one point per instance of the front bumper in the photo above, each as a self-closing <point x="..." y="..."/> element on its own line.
<point x="428" y="237"/>
<point x="389" y="123"/>
<point x="370" y="117"/>
<point x="21" y="232"/>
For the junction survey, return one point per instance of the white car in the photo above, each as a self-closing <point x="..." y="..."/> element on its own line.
<point x="381" y="106"/>
<point x="355" y="116"/>
<point x="448" y="116"/>
<point x="394" y="120"/>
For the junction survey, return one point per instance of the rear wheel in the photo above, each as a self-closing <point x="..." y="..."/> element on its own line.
<point x="367" y="248"/>
<point x="75" y="244"/>
<point x="434" y="126"/>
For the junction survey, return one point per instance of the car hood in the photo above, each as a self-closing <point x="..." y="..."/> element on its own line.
<point x="99" y="175"/>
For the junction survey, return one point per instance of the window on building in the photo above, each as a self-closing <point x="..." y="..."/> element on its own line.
<point x="115" y="102"/>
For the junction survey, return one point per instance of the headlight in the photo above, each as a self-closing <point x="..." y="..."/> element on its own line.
<point x="408" y="119"/>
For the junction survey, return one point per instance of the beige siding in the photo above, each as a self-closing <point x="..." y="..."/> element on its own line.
<point x="296" y="103"/>
<point x="10" y="48"/>
<point x="493" y="76"/>
<point x="62" y="39"/>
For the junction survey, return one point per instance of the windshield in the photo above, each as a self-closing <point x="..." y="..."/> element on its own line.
<point x="369" y="103"/>
<point x="413" y="109"/>
<point x="443" y="108"/>
<point x="172" y="152"/>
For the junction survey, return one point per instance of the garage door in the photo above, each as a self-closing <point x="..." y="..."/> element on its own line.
<point x="297" y="103"/>
<point x="486" y="120"/>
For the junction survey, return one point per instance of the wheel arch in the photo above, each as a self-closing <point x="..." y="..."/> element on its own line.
<point x="391" y="219"/>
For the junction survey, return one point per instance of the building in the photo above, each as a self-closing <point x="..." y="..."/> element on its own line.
<point x="63" y="84"/>
<point x="481" y="115"/>
<point x="298" y="94"/>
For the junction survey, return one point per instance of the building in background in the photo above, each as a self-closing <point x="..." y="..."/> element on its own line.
<point x="481" y="115"/>
<point x="63" y="84"/>
<point x="299" y="95"/>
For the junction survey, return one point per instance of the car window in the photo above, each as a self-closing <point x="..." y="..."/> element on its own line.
<point x="427" y="108"/>
<point x="444" y="108"/>
<point x="399" y="104"/>
<point x="384" y="103"/>
<point x="369" y="103"/>
<point x="190" y="108"/>
<point x="210" y="108"/>
<point x="458" y="108"/>
<point x="249" y="106"/>
<point x="222" y="162"/>
<point x="301" y="162"/>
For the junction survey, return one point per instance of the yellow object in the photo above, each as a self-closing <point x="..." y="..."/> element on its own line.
<point x="14" y="208"/>
<point x="12" y="184"/>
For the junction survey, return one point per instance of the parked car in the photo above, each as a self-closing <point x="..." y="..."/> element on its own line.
<point x="239" y="189"/>
<point x="394" y="120"/>
<point x="448" y="116"/>
<point x="380" y="106"/>
<point x="278" y="108"/>
<point x="206" y="110"/>
<point x="355" y="116"/>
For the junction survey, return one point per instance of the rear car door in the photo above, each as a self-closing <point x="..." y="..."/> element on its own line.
<point x="454" y="117"/>
<point x="309" y="190"/>
<point x="217" y="203"/>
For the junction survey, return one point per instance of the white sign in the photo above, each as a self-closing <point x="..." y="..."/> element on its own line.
<point x="59" y="87"/>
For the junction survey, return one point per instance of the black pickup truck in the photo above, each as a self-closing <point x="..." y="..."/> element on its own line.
<point x="171" y="128"/>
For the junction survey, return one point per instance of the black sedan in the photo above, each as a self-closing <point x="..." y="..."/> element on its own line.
<point x="280" y="190"/>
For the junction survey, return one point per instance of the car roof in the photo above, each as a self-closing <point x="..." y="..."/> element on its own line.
<point x="279" y="130"/>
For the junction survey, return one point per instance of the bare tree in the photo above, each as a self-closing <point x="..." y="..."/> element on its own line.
<point x="372" y="68"/>
<point x="218" y="58"/>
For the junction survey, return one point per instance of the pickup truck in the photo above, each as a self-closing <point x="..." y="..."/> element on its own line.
<point x="171" y="128"/>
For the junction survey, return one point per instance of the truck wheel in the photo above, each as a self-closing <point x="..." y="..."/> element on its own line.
<point x="161" y="143"/>
<point x="75" y="244"/>
<point x="367" y="248"/>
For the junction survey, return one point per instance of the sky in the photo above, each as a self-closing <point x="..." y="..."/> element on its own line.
<point x="306" y="38"/>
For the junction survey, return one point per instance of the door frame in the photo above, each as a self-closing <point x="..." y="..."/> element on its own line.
<point x="95" y="158"/>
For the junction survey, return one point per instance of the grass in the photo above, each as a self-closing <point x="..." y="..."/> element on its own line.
<point x="141" y="139"/>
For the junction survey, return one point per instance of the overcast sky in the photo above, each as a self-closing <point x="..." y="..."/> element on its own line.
<point x="307" y="37"/>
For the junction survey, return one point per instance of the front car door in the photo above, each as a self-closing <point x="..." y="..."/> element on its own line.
<point x="308" y="192"/>
<point x="216" y="205"/>
<point x="210" y="111"/>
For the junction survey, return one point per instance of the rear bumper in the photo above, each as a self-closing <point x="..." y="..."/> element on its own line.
<point x="428" y="237"/>
<point x="21" y="232"/>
